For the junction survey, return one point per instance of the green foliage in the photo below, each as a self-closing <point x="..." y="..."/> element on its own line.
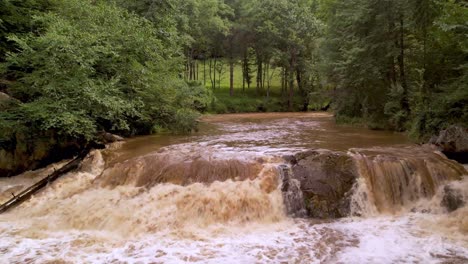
<point x="15" y="18"/>
<point x="397" y="64"/>
<point x="248" y="102"/>
<point x="96" y="67"/>
<point x="80" y="67"/>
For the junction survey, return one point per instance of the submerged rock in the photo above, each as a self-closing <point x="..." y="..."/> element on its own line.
<point x="326" y="179"/>
<point x="452" y="199"/>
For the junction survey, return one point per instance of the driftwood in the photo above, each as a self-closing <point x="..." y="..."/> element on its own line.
<point x="26" y="194"/>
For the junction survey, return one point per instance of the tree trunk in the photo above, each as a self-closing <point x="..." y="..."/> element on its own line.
<point x="283" y="70"/>
<point x="292" y="63"/>
<point x="267" y="70"/>
<point x="212" y="75"/>
<point x="191" y="70"/>
<point x="401" y="65"/>
<point x="204" y="72"/>
<point x="299" y="80"/>
<point x="259" y="73"/>
<point x="244" y="70"/>
<point x="26" y="194"/>
<point x="231" y="76"/>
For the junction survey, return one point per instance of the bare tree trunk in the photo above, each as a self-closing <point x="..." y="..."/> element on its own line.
<point x="188" y="75"/>
<point x="270" y="77"/>
<point x="27" y="193"/>
<point x="299" y="79"/>
<point x="191" y="70"/>
<point x="231" y="76"/>
<point x="244" y="70"/>
<point x="284" y="74"/>
<point x="259" y="73"/>
<point x="292" y="63"/>
<point x="212" y="75"/>
<point x="267" y="70"/>
<point x="204" y="71"/>
<point x="401" y="65"/>
<point x="243" y="82"/>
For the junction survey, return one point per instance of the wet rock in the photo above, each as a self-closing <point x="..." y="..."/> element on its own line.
<point x="452" y="199"/>
<point x="452" y="139"/>
<point x="453" y="142"/>
<point x="110" y="138"/>
<point x="292" y="194"/>
<point x="326" y="180"/>
<point x="27" y="151"/>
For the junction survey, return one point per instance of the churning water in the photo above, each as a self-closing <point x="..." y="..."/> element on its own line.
<point x="216" y="197"/>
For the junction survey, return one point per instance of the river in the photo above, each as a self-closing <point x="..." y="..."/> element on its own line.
<point x="215" y="197"/>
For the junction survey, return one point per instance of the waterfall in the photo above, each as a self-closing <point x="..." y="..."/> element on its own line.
<point x="394" y="180"/>
<point x="292" y="193"/>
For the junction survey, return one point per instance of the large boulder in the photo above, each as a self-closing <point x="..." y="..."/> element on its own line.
<point x="452" y="139"/>
<point x="453" y="142"/>
<point x="27" y="151"/>
<point x="326" y="179"/>
<point x="107" y="138"/>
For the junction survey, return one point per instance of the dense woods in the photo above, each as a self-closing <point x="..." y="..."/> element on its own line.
<point x="73" y="69"/>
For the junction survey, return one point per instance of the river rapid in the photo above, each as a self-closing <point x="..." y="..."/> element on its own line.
<point x="215" y="197"/>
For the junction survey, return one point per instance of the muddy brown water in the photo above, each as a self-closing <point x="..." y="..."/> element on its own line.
<point x="266" y="133"/>
<point x="215" y="197"/>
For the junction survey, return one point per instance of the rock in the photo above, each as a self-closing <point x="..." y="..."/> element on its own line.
<point x="326" y="179"/>
<point x="292" y="195"/>
<point x="27" y="151"/>
<point x="6" y="101"/>
<point x="4" y="96"/>
<point x="452" y="139"/>
<point x="452" y="199"/>
<point x="453" y="142"/>
<point x="110" y="138"/>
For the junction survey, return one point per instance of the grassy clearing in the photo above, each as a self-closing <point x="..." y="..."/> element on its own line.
<point x="248" y="99"/>
<point x="275" y="77"/>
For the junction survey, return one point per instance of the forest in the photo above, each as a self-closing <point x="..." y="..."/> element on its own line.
<point x="71" y="70"/>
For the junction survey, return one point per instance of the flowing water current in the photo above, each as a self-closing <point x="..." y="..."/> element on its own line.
<point x="216" y="197"/>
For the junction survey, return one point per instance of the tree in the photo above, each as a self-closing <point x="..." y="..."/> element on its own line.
<point x="96" y="67"/>
<point x="16" y="18"/>
<point x="285" y="28"/>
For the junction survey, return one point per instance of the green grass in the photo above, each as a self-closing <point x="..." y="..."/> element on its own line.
<point x="249" y="99"/>
<point x="275" y="75"/>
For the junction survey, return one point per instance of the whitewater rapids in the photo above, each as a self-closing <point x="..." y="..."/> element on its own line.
<point x="139" y="209"/>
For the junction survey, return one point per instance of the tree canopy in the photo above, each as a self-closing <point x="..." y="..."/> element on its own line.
<point x="132" y="67"/>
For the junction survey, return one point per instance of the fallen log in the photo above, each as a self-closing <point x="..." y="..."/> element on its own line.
<point x="26" y="194"/>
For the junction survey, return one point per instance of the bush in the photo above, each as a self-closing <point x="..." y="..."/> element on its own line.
<point x="97" y="67"/>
